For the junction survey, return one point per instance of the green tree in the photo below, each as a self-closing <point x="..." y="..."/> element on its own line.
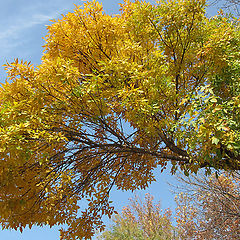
<point x="114" y="98"/>
<point x="142" y="221"/>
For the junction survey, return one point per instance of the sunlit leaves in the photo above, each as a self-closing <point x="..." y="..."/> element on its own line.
<point x="115" y="97"/>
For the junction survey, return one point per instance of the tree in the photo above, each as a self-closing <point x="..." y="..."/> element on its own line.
<point x="142" y="221"/>
<point x="115" y="97"/>
<point x="209" y="208"/>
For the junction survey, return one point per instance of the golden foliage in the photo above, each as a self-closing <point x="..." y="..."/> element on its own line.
<point x="113" y="98"/>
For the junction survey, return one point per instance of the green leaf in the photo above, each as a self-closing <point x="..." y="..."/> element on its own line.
<point x="215" y="140"/>
<point x="213" y="100"/>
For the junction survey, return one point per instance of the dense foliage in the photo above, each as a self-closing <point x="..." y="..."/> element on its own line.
<point x="115" y="97"/>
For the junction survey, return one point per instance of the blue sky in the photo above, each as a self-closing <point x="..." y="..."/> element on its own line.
<point x="22" y="28"/>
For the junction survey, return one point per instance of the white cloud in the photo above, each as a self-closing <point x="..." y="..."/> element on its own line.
<point x="23" y="24"/>
<point x="26" y="15"/>
<point x="22" y="28"/>
<point x="40" y="18"/>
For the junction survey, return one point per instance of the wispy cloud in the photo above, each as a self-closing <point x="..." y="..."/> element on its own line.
<point x="25" y="17"/>
<point x="23" y="24"/>
<point x="22" y="27"/>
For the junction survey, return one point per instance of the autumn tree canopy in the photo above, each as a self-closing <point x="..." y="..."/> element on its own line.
<point x="142" y="220"/>
<point x="114" y="98"/>
<point x="208" y="207"/>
